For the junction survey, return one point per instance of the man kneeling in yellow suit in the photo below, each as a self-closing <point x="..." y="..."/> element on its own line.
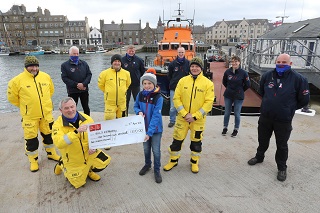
<point x="69" y="134"/>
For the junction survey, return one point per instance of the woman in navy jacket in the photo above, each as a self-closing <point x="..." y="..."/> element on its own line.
<point x="236" y="81"/>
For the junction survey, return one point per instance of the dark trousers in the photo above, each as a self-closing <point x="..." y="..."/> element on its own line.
<point x="134" y="90"/>
<point x="282" y="131"/>
<point x="84" y="98"/>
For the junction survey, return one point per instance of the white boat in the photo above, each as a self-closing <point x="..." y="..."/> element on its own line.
<point x="4" y="51"/>
<point x="56" y="51"/>
<point x="98" y="49"/>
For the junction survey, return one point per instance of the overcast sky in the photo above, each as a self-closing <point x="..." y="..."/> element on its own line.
<point x="205" y="12"/>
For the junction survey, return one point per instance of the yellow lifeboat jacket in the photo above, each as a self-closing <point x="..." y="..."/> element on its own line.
<point x="32" y="94"/>
<point x="194" y="96"/>
<point x="114" y="85"/>
<point x="73" y="145"/>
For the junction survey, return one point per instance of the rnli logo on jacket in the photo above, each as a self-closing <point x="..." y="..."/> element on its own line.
<point x="230" y="77"/>
<point x="176" y="69"/>
<point x="271" y="85"/>
<point x="200" y="90"/>
<point x="72" y="69"/>
<point x="305" y="92"/>
<point x="126" y="65"/>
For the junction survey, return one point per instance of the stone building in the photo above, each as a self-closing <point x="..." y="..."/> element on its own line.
<point x="148" y="35"/>
<point x="123" y="33"/>
<point x="76" y="32"/>
<point x="19" y="28"/>
<point x="226" y="32"/>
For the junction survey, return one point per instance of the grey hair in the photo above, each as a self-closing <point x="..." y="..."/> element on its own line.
<point x="73" y="48"/>
<point x="65" y="100"/>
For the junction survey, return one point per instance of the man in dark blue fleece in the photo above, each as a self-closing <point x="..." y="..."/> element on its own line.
<point x="283" y="91"/>
<point x="76" y="74"/>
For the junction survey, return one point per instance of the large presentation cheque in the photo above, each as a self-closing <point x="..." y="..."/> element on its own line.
<point x="117" y="132"/>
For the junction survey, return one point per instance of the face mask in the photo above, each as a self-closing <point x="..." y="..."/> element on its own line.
<point x="281" y="68"/>
<point x="180" y="60"/>
<point x="74" y="59"/>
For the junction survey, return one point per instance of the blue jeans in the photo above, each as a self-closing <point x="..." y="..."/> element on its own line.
<point x="237" y="104"/>
<point x="173" y="111"/>
<point x="154" y="143"/>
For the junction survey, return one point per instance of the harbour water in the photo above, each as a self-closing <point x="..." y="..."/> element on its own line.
<point x="11" y="66"/>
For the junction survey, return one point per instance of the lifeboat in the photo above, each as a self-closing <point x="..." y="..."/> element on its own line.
<point x="176" y="34"/>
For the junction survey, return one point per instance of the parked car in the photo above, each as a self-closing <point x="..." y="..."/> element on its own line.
<point x="241" y="45"/>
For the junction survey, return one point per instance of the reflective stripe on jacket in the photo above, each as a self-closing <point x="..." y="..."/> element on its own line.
<point x="73" y="145"/>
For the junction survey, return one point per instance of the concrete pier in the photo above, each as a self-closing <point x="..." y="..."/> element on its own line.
<point x="225" y="183"/>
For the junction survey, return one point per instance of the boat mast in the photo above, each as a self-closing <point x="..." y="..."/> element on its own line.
<point x="8" y="40"/>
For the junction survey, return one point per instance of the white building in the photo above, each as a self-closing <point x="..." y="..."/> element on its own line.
<point x="95" y="37"/>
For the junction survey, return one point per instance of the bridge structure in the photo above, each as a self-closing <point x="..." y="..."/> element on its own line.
<point x="260" y="56"/>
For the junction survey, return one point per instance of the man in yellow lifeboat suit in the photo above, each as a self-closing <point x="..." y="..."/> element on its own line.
<point x="114" y="83"/>
<point x="31" y="91"/>
<point x="193" y="99"/>
<point x="70" y="135"/>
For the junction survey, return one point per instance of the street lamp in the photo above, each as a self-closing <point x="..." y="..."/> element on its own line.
<point x="282" y="18"/>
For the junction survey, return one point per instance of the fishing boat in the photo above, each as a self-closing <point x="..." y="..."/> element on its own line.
<point x="38" y="51"/>
<point x="98" y="49"/>
<point x="56" y="51"/>
<point x="177" y="33"/>
<point x="4" y="51"/>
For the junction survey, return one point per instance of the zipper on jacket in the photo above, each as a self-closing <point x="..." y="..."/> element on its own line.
<point x="35" y="82"/>
<point x="117" y="88"/>
<point x="194" y="81"/>
<point x="81" y="137"/>
<point x="85" y="162"/>
<point x="41" y="89"/>
<point x="147" y="104"/>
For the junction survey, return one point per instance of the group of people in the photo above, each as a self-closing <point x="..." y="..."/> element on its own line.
<point x="191" y="97"/>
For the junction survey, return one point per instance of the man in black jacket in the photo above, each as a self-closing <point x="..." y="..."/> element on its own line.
<point x="76" y="74"/>
<point x="178" y="68"/>
<point x="283" y="91"/>
<point x="135" y="65"/>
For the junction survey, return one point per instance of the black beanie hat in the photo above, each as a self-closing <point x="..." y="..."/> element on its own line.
<point x="115" y="57"/>
<point x="30" y="61"/>
<point x="198" y="61"/>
